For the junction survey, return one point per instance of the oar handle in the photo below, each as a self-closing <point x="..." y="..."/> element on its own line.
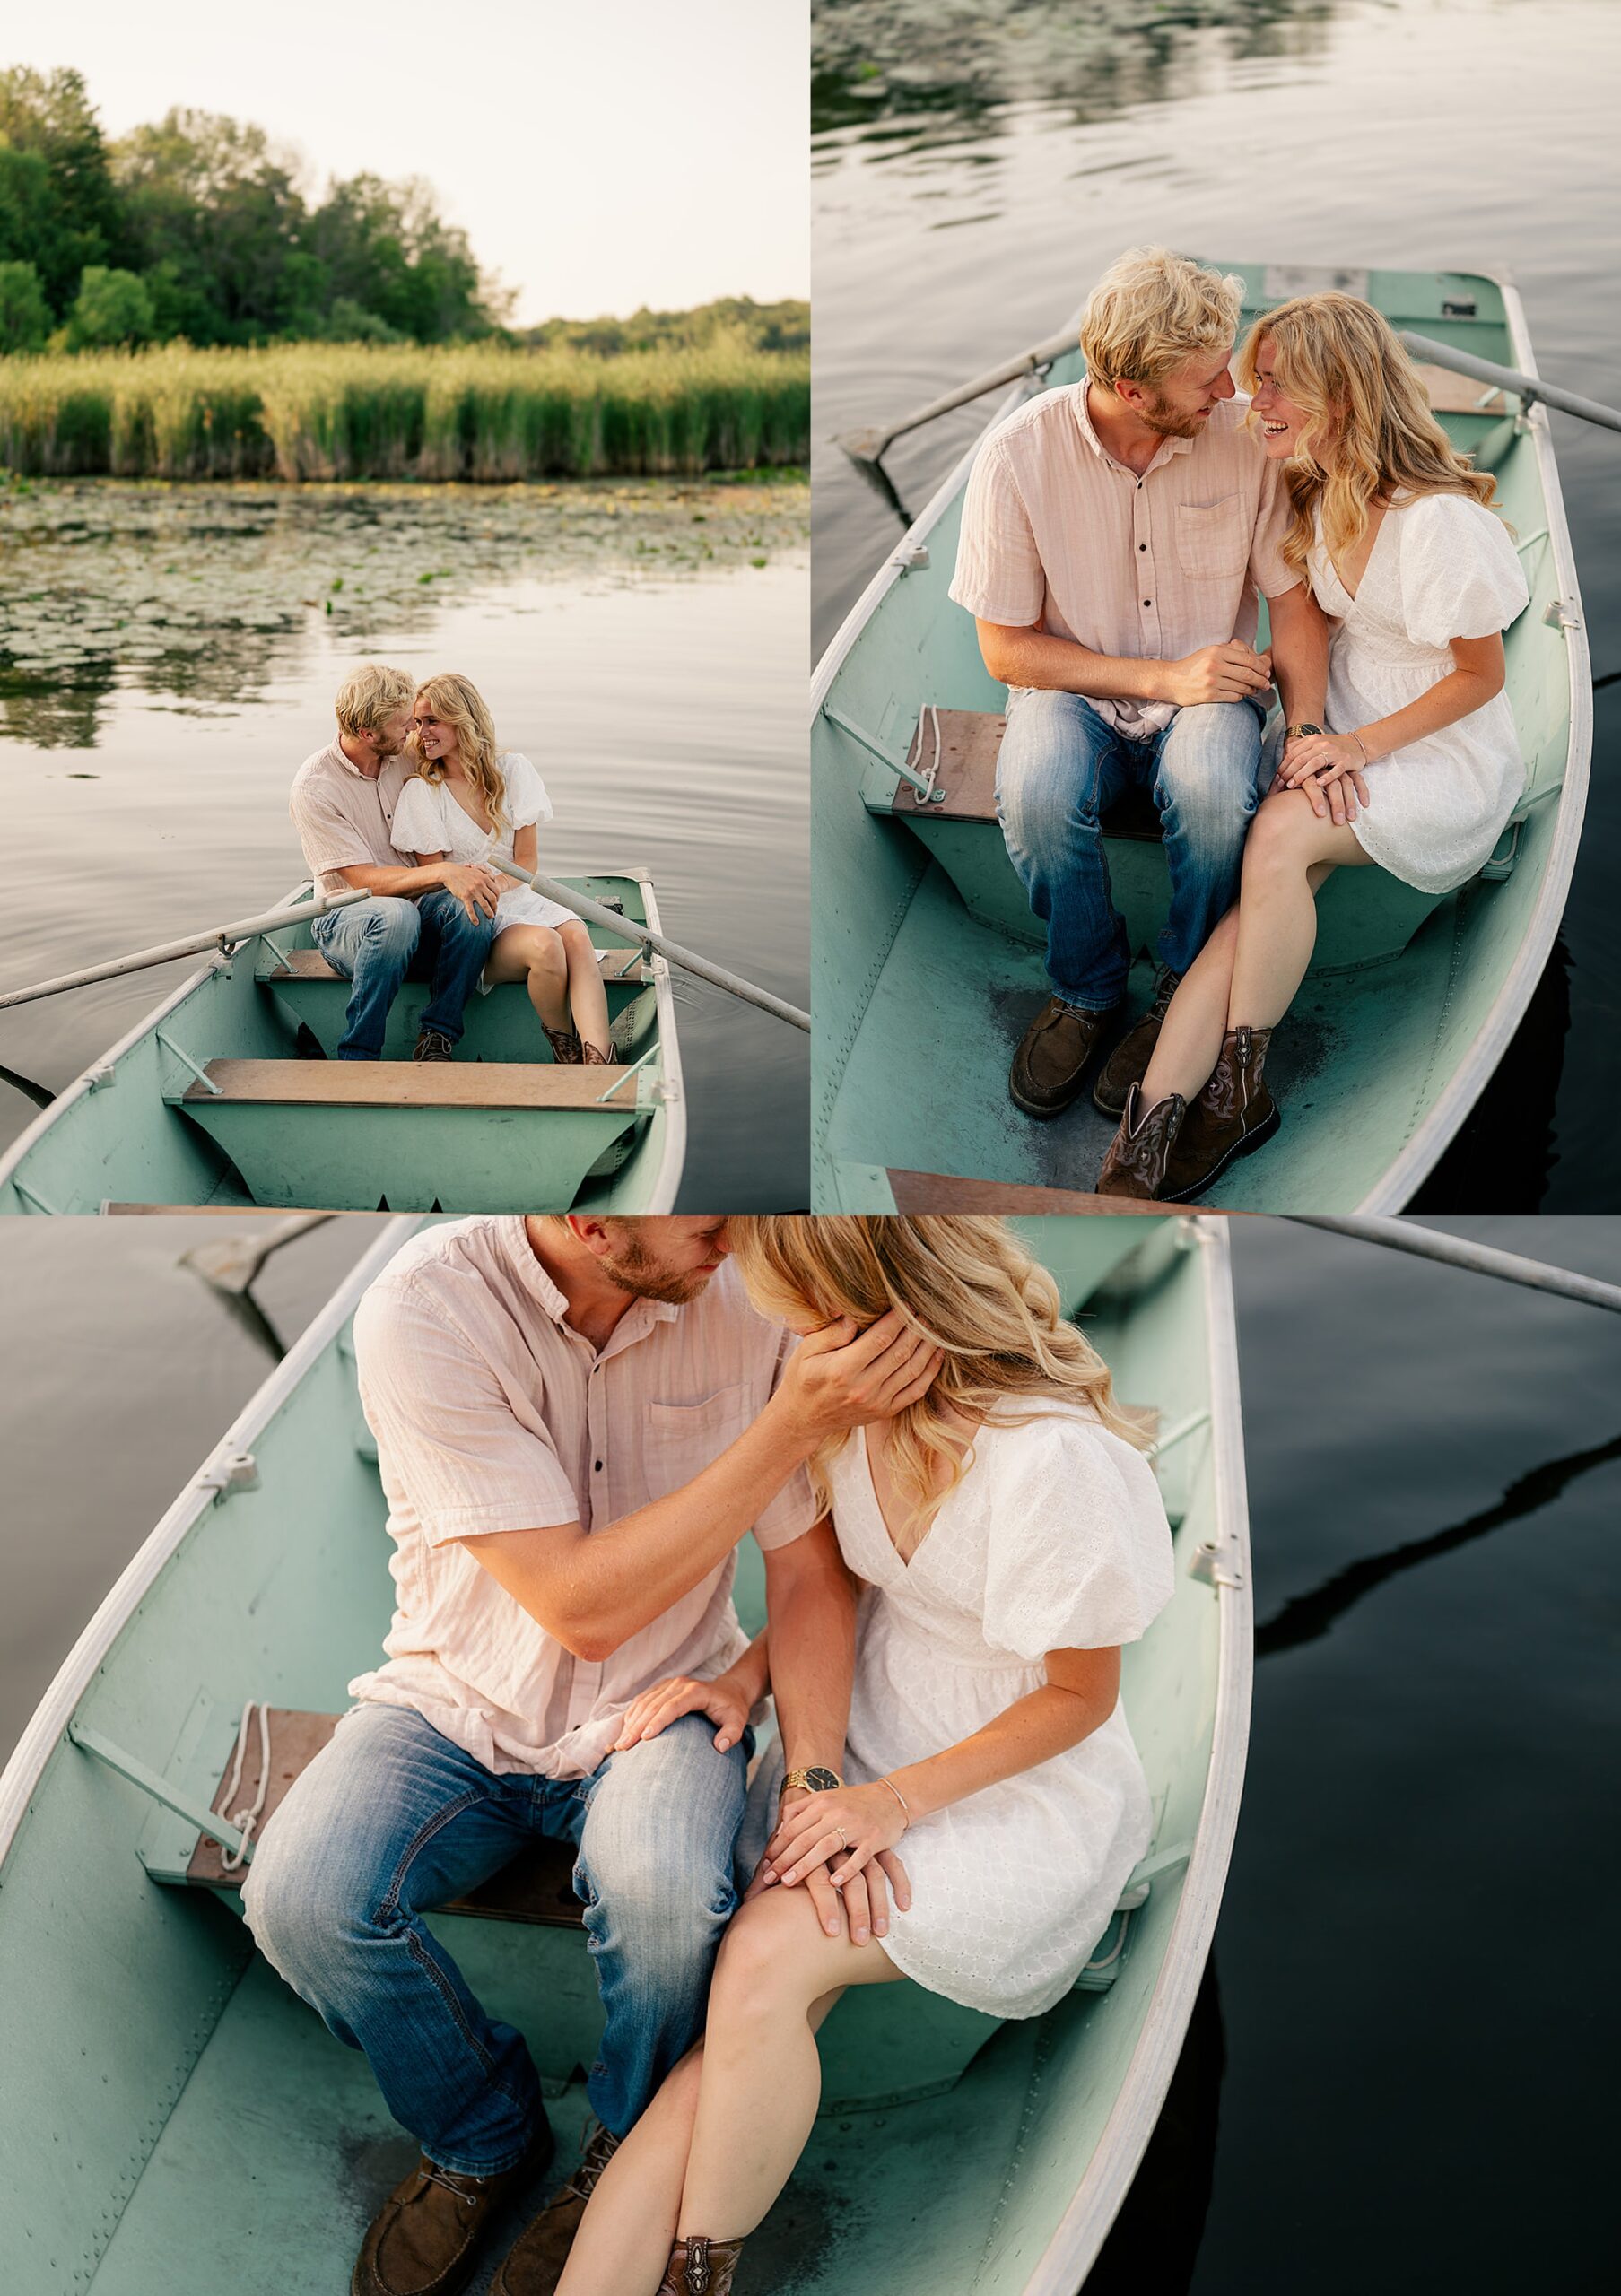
<point x="1462" y="1251"/>
<point x="1529" y="387"/>
<point x="220" y="937"/>
<point x="867" y="446"/>
<point x="595" y="913"/>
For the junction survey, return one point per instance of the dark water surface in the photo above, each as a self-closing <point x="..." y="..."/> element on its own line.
<point x="168" y="658"/>
<point x="1412" y="1986"/>
<point x="974" y="170"/>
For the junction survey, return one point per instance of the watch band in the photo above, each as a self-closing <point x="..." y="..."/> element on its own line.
<point x="812" y="1781"/>
<point x="1296" y="733"/>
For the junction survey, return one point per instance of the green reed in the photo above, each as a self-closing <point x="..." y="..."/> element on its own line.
<point x="312" y="411"/>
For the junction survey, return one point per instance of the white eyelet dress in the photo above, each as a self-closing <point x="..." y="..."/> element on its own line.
<point x="427" y="819"/>
<point x="1054" y="1539"/>
<point x="1442" y="567"/>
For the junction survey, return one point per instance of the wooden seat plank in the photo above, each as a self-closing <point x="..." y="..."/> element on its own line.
<point x="966" y="770"/>
<point x="1451" y="393"/>
<point x="536" y="1887"/>
<point x="416" y="1083"/>
<point x="309" y="964"/>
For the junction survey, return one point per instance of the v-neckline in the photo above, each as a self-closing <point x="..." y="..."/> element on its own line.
<point x="484" y="829"/>
<point x="905" y="1560"/>
<point x="1346" y="590"/>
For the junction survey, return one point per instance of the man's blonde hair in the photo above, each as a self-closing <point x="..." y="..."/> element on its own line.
<point x="370" y="695"/>
<point x="1152" y="311"/>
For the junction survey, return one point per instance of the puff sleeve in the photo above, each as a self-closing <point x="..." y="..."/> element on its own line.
<point x="1461" y="574"/>
<point x="417" y="826"/>
<point x="1080" y="1549"/>
<point x="526" y="798"/>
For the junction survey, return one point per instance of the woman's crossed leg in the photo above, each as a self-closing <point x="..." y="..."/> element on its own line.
<point x="720" y="2139"/>
<point x="558" y="965"/>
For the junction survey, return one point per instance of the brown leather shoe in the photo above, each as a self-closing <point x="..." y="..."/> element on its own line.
<point x="533" y="2265"/>
<point x="700" y="2266"/>
<point x="1052" y="1056"/>
<point x="1128" y="1063"/>
<point x="1140" y="1152"/>
<point x="433" y="1044"/>
<point x="423" y="2240"/>
<point x="1234" y="1115"/>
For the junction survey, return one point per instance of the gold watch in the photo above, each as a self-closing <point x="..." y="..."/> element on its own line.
<point x="1298" y="733"/>
<point x="812" y="1781"/>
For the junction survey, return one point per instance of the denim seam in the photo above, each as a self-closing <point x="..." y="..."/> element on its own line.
<point x="419" y="1842"/>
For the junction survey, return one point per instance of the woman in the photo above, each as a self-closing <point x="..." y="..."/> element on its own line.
<point x="470" y="802"/>
<point x="1008" y="1536"/>
<point x="1392" y="528"/>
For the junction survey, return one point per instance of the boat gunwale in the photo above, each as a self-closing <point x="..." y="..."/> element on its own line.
<point x="1073" y="2246"/>
<point x="666" y="1181"/>
<point x="1430" y="1138"/>
<point x="47" y="1725"/>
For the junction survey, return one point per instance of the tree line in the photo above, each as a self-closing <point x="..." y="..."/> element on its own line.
<point x="200" y="228"/>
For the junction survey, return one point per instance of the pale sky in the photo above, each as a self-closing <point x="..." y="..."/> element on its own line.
<point x="598" y="156"/>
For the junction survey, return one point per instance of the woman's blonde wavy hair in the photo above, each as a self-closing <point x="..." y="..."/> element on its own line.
<point x="969" y="1285"/>
<point x="458" y="702"/>
<point x="1371" y="432"/>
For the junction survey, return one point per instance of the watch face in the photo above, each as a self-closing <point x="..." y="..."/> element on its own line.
<point x="821" y="1781"/>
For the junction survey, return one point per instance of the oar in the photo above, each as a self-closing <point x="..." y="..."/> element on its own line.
<point x="1505" y="378"/>
<point x="628" y="929"/>
<point x="220" y="937"/>
<point x="867" y="446"/>
<point x="1479" y="1259"/>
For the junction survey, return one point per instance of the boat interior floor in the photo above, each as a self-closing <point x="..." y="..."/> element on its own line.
<point x="1357" y="1051"/>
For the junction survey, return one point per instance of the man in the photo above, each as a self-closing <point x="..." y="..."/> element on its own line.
<point x="577" y="1420"/>
<point x="438" y="920"/>
<point x="1114" y="535"/>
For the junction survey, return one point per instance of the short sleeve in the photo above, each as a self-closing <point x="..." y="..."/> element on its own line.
<point x="1460" y="573"/>
<point x="416" y="827"/>
<point x="1269" y="569"/>
<point x="1080" y="1549"/>
<point x="330" y="838"/>
<point x="527" y="799"/>
<point x="794" y="1510"/>
<point x="999" y="574"/>
<point x="446" y="1440"/>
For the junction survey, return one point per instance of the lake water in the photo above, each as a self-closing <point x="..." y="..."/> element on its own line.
<point x="1399" y="2078"/>
<point x="974" y="170"/>
<point x="168" y="655"/>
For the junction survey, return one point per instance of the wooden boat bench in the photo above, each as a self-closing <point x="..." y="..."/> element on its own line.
<point x="289" y="1125"/>
<point x="955" y="751"/>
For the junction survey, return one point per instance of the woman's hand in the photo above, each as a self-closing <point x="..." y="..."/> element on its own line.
<point x="725" y="1700"/>
<point x="843" y="1830"/>
<point x="1328" y="767"/>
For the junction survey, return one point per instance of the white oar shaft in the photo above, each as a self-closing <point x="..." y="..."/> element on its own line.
<point x="221" y="937"/>
<point x="1505" y="378"/>
<point x="1479" y="1259"/>
<point x="867" y="446"/>
<point x="627" y="927"/>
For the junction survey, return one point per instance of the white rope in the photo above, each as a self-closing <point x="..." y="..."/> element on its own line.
<point x="245" y="1820"/>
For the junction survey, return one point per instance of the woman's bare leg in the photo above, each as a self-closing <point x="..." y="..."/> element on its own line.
<point x="1289" y="851"/>
<point x="761" y="2079"/>
<point x="1190" y="1035"/>
<point x="533" y="955"/>
<point x="587" y="996"/>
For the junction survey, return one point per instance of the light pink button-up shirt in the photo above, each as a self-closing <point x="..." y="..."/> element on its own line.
<point x="343" y="816"/>
<point x="1056" y="532"/>
<point x="490" y="1413"/>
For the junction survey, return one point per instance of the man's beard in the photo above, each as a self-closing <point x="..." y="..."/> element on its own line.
<point x="642" y="1273"/>
<point x="1159" y="417"/>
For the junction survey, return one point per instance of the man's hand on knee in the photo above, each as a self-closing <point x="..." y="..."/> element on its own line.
<point x="1231" y="673"/>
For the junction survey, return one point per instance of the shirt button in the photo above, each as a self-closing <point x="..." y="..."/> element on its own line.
<point x="1142" y="545"/>
<point x="598" y="1467"/>
<point x="1147" y="602"/>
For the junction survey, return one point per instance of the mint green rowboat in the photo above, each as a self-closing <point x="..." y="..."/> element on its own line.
<point x="175" y="2122"/>
<point x="208" y="1103"/>
<point x="928" y="965"/>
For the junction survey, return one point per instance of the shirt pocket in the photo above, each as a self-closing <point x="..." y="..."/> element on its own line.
<point x="683" y="1438"/>
<point x="1212" y="539"/>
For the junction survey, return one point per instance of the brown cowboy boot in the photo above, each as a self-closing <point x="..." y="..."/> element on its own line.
<point x="700" y="2266"/>
<point x="1128" y="1063"/>
<point x="1140" y="1152"/>
<point x="565" y="1045"/>
<point x="1233" y="1116"/>
<point x="423" y="2240"/>
<point x="533" y="2265"/>
<point x="1052" y="1056"/>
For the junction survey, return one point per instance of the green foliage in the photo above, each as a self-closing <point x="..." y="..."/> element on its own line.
<point x="487" y="412"/>
<point x="764" y="326"/>
<point x="112" y="307"/>
<point x="24" y="319"/>
<point x="58" y="208"/>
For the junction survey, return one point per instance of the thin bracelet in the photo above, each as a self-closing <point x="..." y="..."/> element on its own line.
<point x="900" y="1797"/>
<point x="1360" y="744"/>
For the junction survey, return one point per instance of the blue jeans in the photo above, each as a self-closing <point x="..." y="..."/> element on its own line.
<point x="392" y="1819"/>
<point x="376" y="942"/>
<point x="1062" y="765"/>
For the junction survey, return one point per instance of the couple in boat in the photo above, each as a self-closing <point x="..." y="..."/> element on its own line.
<point x="412" y="804"/>
<point x="577" y="1421"/>
<point x="1115" y="537"/>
